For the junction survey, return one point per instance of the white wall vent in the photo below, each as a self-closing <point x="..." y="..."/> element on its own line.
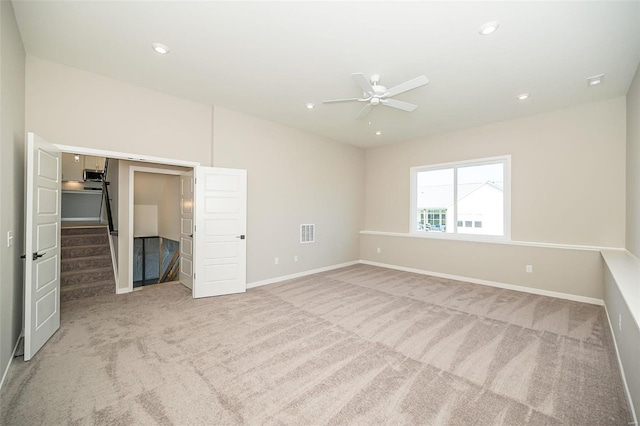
<point x="307" y="233"/>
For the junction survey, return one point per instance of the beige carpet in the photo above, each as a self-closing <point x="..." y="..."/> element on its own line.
<point x="355" y="346"/>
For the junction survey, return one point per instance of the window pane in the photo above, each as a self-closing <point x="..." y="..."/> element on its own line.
<point x="435" y="193"/>
<point x="481" y="195"/>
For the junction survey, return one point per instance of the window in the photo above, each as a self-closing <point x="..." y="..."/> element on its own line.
<point x="432" y="219"/>
<point x="470" y="198"/>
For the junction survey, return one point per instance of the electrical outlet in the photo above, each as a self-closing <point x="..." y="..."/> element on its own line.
<point x="378" y="250"/>
<point x="276" y="261"/>
<point x="529" y="269"/>
<point x="620" y="322"/>
<point x="295" y="258"/>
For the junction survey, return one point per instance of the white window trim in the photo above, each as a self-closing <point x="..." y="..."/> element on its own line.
<point x="413" y="171"/>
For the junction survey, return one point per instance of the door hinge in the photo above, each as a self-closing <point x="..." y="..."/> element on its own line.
<point x="194" y="276"/>
<point x="195" y="180"/>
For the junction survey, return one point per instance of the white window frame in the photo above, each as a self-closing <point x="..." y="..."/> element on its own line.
<point x="413" y="221"/>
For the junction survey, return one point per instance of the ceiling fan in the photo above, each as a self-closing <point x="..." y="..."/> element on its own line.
<point x="374" y="94"/>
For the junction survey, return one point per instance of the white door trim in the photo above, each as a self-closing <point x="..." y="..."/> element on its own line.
<point x="125" y="156"/>
<point x="132" y="171"/>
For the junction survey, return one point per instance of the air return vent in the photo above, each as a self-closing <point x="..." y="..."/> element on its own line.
<point x="307" y="233"/>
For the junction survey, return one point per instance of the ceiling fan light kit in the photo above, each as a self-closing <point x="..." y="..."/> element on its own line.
<point x="374" y="94"/>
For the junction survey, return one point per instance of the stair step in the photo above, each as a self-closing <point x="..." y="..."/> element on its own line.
<point x="84" y="251"/>
<point x="84" y="231"/>
<point x="87" y="262"/>
<point x="86" y="265"/>
<point x="85" y="290"/>
<point x="86" y="276"/>
<point x="84" y="240"/>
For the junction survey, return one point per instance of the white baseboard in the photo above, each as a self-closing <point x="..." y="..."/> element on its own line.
<point x="624" y="378"/>
<point x="122" y="290"/>
<point x="514" y="287"/>
<point x="299" y="274"/>
<point x="13" y="355"/>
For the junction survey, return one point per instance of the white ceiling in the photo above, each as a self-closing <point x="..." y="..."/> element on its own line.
<point x="269" y="59"/>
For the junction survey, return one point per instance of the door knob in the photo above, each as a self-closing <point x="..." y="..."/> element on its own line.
<point x="36" y="255"/>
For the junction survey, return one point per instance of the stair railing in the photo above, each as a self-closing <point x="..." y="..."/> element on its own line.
<point x="107" y="201"/>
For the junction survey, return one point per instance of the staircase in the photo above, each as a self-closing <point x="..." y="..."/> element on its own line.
<point x="86" y="266"/>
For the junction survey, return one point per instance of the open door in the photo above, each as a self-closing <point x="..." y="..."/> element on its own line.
<point x="42" y="244"/>
<point x="220" y="232"/>
<point x="186" y="229"/>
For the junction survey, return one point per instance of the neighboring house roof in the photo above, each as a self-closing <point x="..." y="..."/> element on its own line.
<point x="441" y="196"/>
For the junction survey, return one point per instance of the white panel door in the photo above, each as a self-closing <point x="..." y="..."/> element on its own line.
<point x="220" y="237"/>
<point x="42" y="244"/>
<point x="186" y="229"/>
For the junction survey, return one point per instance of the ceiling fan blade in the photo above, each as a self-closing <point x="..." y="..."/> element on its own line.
<point x="341" y="100"/>
<point x="407" y="85"/>
<point x="364" y="111"/>
<point x="362" y="81"/>
<point x="405" y="106"/>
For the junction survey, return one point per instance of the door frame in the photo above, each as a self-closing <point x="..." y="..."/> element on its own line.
<point x="125" y="156"/>
<point x="143" y="158"/>
<point x="132" y="171"/>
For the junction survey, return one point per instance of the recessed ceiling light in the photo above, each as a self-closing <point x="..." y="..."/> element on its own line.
<point x="310" y="105"/>
<point x="160" y="48"/>
<point x="488" y="28"/>
<point x="378" y="133"/>
<point x="595" y="80"/>
<point x="523" y="96"/>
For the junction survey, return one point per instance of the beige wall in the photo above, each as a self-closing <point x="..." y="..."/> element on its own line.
<point x="12" y="82"/>
<point x="72" y="107"/>
<point x="145" y="220"/>
<point x="162" y="192"/>
<point x="568" y="183"/>
<point x="293" y="178"/>
<point x="633" y="166"/>
<point x="574" y="272"/>
<point x="566" y="167"/>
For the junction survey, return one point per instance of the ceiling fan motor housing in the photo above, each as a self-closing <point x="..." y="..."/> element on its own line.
<point x="377" y="95"/>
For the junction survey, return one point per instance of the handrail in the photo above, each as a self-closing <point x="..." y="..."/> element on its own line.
<point x="105" y="192"/>
<point x="169" y="273"/>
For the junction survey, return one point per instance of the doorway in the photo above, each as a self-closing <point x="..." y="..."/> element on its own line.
<point x="156" y="226"/>
<point x="121" y="194"/>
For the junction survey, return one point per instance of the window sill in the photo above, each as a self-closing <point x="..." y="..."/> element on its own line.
<point x="460" y="237"/>
<point x="499" y="240"/>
